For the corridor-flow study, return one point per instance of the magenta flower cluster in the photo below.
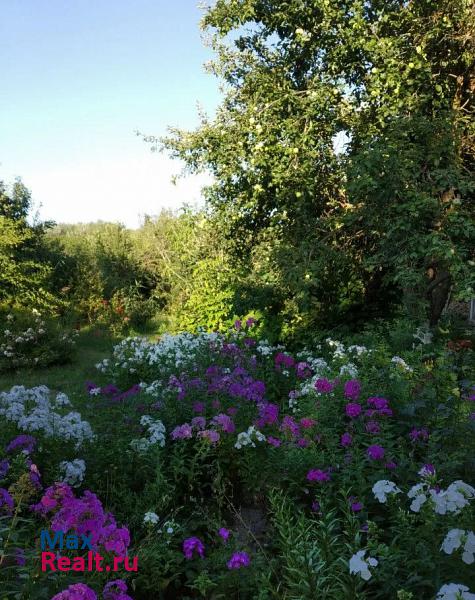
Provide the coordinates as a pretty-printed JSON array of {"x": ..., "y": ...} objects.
[
  {"x": 114, "y": 590},
  {"x": 318, "y": 475},
  {"x": 84, "y": 515},
  {"x": 324, "y": 386}
]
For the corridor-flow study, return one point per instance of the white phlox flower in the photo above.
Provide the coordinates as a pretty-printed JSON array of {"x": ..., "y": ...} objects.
[
  {"x": 359, "y": 565},
  {"x": 382, "y": 488}
]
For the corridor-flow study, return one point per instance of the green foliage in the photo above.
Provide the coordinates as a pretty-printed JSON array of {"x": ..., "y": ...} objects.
[
  {"x": 395, "y": 80},
  {"x": 24, "y": 277},
  {"x": 311, "y": 560}
]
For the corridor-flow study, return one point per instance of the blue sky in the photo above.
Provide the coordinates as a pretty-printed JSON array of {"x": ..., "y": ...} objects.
[{"x": 78, "y": 78}]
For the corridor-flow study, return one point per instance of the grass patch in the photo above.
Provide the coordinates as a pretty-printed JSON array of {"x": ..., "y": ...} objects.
[{"x": 91, "y": 347}]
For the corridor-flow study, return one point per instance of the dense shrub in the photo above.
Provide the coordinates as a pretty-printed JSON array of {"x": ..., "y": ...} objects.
[{"x": 28, "y": 339}]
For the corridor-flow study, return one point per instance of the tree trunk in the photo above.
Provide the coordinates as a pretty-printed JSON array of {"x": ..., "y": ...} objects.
[{"x": 438, "y": 293}]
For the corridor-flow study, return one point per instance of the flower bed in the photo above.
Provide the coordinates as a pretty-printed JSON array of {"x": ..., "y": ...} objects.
[{"x": 242, "y": 469}]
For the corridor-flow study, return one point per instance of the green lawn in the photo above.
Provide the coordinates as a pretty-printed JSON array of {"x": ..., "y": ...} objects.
[{"x": 91, "y": 347}]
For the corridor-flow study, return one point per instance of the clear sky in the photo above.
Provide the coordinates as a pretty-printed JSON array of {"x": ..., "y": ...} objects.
[{"x": 78, "y": 77}]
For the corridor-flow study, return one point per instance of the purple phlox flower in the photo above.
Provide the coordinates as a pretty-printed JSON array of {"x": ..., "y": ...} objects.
[
  {"x": 346, "y": 440},
  {"x": 209, "y": 434},
  {"x": 25, "y": 443},
  {"x": 307, "y": 423},
  {"x": 352, "y": 389},
  {"x": 273, "y": 441},
  {"x": 249, "y": 342},
  {"x": 238, "y": 560},
  {"x": 380, "y": 407},
  {"x": 35, "y": 476},
  {"x": 182, "y": 432},
  {"x": 110, "y": 389},
  {"x": 213, "y": 371},
  {"x": 255, "y": 391},
  {"x": 198, "y": 422},
  {"x": 239, "y": 372},
  {"x": 427, "y": 470},
  {"x": 195, "y": 382},
  {"x": 391, "y": 465},
  {"x": 198, "y": 407},
  {"x": 6, "y": 501},
  {"x": 230, "y": 349},
  {"x": 323, "y": 385},
  {"x": 303, "y": 370},
  {"x": 115, "y": 590},
  {"x": 135, "y": 389},
  {"x": 250, "y": 322},
  {"x": 372, "y": 427},
  {"x": 283, "y": 360},
  {"x": 378, "y": 402},
  {"x": 353, "y": 410},
  {"x": 115, "y": 539},
  {"x": 192, "y": 545},
  {"x": 355, "y": 505},
  {"x": 84, "y": 515},
  {"x": 419, "y": 434},
  {"x": 316, "y": 506},
  {"x": 375, "y": 452},
  {"x": 224, "y": 533},
  {"x": 4, "y": 466},
  {"x": 318, "y": 475},
  {"x": 76, "y": 591},
  {"x": 289, "y": 425},
  {"x": 268, "y": 414},
  {"x": 303, "y": 443},
  {"x": 53, "y": 498},
  {"x": 173, "y": 381},
  {"x": 237, "y": 324},
  {"x": 237, "y": 390},
  {"x": 225, "y": 422}
]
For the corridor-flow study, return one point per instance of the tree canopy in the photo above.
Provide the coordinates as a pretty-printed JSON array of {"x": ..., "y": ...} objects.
[{"x": 389, "y": 214}]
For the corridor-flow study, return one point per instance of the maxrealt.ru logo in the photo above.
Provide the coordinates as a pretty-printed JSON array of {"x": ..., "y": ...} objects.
[{"x": 54, "y": 542}]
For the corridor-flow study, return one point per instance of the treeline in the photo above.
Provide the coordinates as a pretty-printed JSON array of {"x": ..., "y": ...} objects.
[
  {"x": 173, "y": 273},
  {"x": 176, "y": 272}
]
